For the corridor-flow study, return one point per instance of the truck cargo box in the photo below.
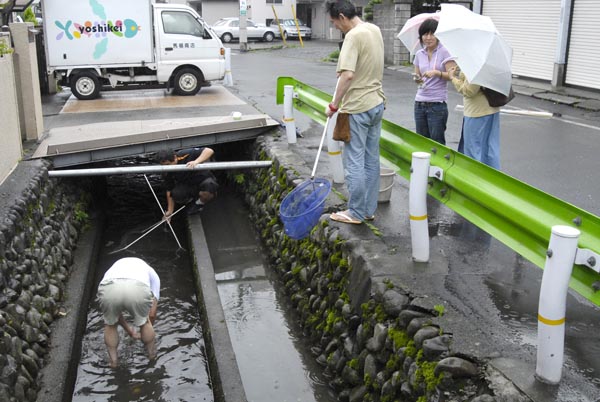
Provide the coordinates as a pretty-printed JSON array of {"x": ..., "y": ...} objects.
[{"x": 98, "y": 32}]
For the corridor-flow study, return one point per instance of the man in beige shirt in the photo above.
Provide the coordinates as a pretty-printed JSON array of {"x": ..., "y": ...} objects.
[{"x": 360, "y": 94}]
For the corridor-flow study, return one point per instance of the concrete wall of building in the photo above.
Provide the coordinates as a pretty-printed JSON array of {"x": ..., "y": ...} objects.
[
  {"x": 213, "y": 10},
  {"x": 10, "y": 133},
  {"x": 28, "y": 83},
  {"x": 384, "y": 16}
]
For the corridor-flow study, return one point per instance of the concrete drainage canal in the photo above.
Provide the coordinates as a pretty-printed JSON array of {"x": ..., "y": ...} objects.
[{"x": 275, "y": 364}]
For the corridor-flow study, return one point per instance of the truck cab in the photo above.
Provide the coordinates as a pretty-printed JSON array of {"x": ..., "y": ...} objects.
[{"x": 130, "y": 44}]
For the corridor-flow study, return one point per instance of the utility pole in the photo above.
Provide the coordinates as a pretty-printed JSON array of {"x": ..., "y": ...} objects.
[{"x": 243, "y": 26}]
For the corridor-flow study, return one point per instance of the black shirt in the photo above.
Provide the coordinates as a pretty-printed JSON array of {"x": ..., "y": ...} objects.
[{"x": 193, "y": 176}]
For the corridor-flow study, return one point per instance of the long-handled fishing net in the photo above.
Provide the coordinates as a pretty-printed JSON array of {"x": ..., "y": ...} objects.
[
  {"x": 301, "y": 209},
  {"x": 147, "y": 232}
]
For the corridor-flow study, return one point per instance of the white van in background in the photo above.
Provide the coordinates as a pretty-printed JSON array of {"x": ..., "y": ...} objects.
[{"x": 133, "y": 43}]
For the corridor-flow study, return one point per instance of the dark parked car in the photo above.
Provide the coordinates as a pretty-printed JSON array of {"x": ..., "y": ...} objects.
[
  {"x": 290, "y": 30},
  {"x": 228, "y": 29}
]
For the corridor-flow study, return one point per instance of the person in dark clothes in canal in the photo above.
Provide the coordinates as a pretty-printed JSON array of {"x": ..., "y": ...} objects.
[
  {"x": 129, "y": 285},
  {"x": 183, "y": 187}
]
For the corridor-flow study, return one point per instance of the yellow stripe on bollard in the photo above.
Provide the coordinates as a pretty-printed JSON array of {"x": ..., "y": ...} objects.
[
  {"x": 334, "y": 153},
  {"x": 551, "y": 322},
  {"x": 288, "y": 119},
  {"x": 418, "y": 218}
]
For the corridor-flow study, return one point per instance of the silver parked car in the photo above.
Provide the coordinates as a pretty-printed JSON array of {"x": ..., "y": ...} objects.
[
  {"x": 228, "y": 29},
  {"x": 290, "y": 30}
]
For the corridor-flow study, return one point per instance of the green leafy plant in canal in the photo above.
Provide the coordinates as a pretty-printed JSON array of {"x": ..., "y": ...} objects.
[
  {"x": 440, "y": 309},
  {"x": 353, "y": 364},
  {"x": 426, "y": 374},
  {"x": 399, "y": 337},
  {"x": 4, "y": 48},
  {"x": 411, "y": 349},
  {"x": 239, "y": 178}
]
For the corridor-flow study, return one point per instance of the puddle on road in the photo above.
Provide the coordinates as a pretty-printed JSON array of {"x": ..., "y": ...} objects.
[
  {"x": 514, "y": 287},
  {"x": 275, "y": 364},
  {"x": 180, "y": 371}
]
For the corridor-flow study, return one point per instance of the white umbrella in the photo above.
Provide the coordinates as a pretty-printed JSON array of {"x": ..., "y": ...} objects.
[
  {"x": 409, "y": 34},
  {"x": 479, "y": 49}
]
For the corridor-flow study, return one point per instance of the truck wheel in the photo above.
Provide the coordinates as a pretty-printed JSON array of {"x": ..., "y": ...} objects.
[
  {"x": 85, "y": 86},
  {"x": 268, "y": 36},
  {"x": 285, "y": 35},
  {"x": 227, "y": 37},
  {"x": 187, "y": 82}
]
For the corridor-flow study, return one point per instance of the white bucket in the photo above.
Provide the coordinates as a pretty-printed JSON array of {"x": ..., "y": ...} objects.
[{"x": 386, "y": 182}]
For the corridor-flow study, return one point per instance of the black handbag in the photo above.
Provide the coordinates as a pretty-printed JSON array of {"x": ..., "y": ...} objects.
[{"x": 497, "y": 99}]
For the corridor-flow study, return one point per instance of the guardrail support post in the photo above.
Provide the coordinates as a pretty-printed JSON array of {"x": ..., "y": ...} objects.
[
  {"x": 334, "y": 150},
  {"x": 417, "y": 206},
  {"x": 228, "y": 80},
  {"x": 553, "y": 303},
  {"x": 288, "y": 113}
]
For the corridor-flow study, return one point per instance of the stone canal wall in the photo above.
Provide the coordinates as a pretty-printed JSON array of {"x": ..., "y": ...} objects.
[
  {"x": 41, "y": 219},
  {"x": 377, "y": 340}
]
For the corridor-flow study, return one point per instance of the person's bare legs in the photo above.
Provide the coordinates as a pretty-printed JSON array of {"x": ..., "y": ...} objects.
[
  {"x": 111, "y": 339},
  {"x": 148, "y": 337}
]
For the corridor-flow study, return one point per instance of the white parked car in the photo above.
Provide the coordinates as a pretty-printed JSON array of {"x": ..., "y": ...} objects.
[
  {"x": 290, "y": 30},
  {"x": 228, "y": 29}
]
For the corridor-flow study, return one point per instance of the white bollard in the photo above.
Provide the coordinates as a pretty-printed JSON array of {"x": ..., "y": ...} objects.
[
  {"x": 553, "y": 303},
  {"x": 417, "y": 206},
  {"x": 288, "y": 113},
  {"x": 228, "y": 79},
  {"x": 334, "y": 150}
]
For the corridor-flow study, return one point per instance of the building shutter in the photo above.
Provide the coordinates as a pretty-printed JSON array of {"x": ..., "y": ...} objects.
[
  {"x": 584, "y": 45},
  {"x": 531, "y": 28}
]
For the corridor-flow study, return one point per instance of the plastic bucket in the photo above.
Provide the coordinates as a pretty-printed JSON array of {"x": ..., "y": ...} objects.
[
  {"x": 386, "y": 182},
  {"x": 301, "y": 209}
]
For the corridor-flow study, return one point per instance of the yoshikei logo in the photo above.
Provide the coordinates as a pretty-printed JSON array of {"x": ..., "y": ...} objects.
[{"x": 127, "y": 28}]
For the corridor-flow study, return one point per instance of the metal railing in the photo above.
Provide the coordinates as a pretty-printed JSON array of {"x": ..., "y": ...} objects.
[{"x": 517, "y": 214}]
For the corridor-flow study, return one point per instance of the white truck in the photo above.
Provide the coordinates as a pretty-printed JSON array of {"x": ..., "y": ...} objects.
[{"x": 92, "y": 44}]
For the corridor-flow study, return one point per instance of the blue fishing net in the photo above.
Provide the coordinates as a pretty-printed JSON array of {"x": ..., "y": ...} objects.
[{"x": 301, "y": 209}]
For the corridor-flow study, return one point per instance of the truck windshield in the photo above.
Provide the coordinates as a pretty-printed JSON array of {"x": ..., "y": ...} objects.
[{"x": 181, "y": 23}]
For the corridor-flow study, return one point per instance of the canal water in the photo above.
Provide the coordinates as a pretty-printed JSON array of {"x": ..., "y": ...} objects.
[
  {"x": 275, "y": 363},
  {"x": 274, "y": 360},
  {"x": 180, "y": 371}
]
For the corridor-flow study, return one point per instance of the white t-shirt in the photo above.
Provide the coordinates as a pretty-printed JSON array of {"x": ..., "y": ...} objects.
[{"x": 134, "y": 268}]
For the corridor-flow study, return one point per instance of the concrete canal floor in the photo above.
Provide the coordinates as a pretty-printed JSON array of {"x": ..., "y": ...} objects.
[{"x": 491, "y": 292}]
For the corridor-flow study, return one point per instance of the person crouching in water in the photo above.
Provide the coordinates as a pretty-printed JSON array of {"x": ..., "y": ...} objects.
[
  {"x": 199, "y": 186},
  {"x": 129, "y": 285}
]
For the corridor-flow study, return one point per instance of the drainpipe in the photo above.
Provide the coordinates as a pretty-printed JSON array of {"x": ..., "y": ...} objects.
[
  {"x": 417, "y": 206},
  {"x": 561, "y": 254},
  {"x": 560, "y": 62},
  {"x": 159, "y": 169}
]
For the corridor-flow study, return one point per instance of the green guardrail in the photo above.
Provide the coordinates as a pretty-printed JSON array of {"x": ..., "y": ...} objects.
[{"x": 515, "y": 213}]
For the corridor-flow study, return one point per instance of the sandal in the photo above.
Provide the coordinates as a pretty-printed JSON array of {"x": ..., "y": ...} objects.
[
  {"x": 344, "y": 217},
  {"x": 370, "y": 218}
]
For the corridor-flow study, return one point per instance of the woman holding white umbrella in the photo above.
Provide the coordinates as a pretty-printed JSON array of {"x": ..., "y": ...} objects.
[
  {"x": 481, "y": 122},
  {"x": 485, "y": 59},
  {"x": 431, "y": 63}
]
